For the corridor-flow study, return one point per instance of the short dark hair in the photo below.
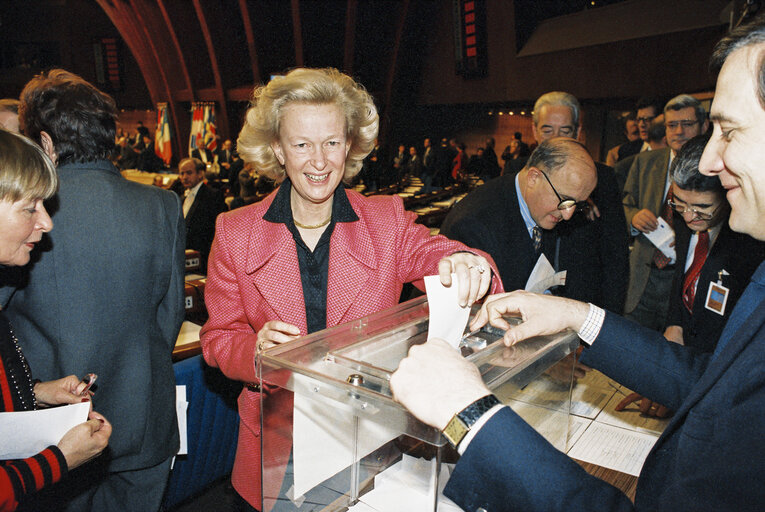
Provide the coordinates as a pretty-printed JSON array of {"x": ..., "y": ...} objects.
[
  {"x": 80, "y": 119},
  {"x": 685, "y": 168},
  {"x": 741, "y": 36},
  {"x": 648, "y": 101}
]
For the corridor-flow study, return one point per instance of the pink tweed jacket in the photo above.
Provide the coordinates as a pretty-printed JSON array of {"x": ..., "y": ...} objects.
[{"x": 254, "y": 277}]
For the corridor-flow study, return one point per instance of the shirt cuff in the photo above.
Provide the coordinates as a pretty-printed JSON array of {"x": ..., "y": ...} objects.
[
  {"x": 590, "y": 329},
  {"x": 476, "y": 427}
]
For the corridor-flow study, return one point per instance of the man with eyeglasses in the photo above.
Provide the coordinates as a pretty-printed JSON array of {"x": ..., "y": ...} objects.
[
  {"x": 646, "y": 198},
  {"x": 646, "y": 111},
  {"x": 510, "y": 215},
  {"x": 714, "y": 263}
]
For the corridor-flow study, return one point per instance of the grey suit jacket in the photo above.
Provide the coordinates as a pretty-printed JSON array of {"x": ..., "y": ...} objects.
[
  {"x": 644, "y": 189},
  {"x": 105, "y": 295}
]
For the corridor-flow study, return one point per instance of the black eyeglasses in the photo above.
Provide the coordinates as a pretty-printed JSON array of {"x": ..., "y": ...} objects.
[
  {"x": 681, "y": 209},
  {"x": 564, "y": 204}
]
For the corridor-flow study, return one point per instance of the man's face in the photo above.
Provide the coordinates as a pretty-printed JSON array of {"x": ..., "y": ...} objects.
[
  {"x": 426, "y": 143},
  {"x": 554, "y": 121},
  {"x": 682, "y": 126},
  {"x": 227, "y": 145},
  {"x": 189, "y": 175},
  {"x": 631, "y": 130},
  {"x": 644, "y": 118},
  {"x": 9, "y": 121},
  {"x": 705, "y": 203},
  {"x": 575, "y": 180},
  {"x": 412, "y": 151},
  {"x": 401, "y": 149},
  {"x": 200, "y": 143},
  {"x": 736, "y": 151}
]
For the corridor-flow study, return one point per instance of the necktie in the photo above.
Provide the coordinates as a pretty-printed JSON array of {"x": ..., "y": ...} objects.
[
  {"x": 659, "y": 258},
  {"x": 187, "y": 202},
  {"x": 536, "y": 239},
  {"x": 692, "y": 276}
]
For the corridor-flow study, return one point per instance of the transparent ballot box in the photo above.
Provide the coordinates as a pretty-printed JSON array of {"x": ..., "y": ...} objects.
[{"x": 333, "y": 438}]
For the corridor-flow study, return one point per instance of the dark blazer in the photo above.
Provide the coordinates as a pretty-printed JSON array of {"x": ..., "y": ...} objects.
[
  {"x": 200, "y": 221},
  {"x": 593, "y": 252},
  {"x": 739, "y": 255},
  {"x": 196, "y": 154},
  {"x": 596, "y": 252},
  {"x": 710, "y": 457},
  {"x": 489, "y": 219},
  {"x": 105, "y": 295}
]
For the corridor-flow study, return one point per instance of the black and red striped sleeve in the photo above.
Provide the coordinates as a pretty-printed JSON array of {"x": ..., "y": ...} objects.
[{"x": 25, "y": 476}]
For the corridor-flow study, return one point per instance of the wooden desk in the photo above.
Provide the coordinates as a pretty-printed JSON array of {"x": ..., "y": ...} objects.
[{"x": 626, "y": 483}]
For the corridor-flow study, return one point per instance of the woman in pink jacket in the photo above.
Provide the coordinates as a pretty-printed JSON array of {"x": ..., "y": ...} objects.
[{"x": 312, "y": 254}]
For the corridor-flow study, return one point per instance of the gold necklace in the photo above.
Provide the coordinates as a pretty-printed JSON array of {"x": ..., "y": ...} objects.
[{"x": 315, "y": 226}]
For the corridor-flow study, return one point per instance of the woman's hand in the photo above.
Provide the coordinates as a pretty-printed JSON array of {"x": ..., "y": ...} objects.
[
  {"x": 62, "y": 391},
  {"x": 473, "y": 275},
  {"x": 276, "y": 332},
  {"x": 85, "y": 441}
]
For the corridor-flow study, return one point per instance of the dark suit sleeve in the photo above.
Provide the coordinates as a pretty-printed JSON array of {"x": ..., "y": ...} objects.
[
  {"x": 509, "y": 466},
  {"x": 644, "y": 361},
  {"x": 171, "y": 311},
  {"x": 614, "y": 242}
]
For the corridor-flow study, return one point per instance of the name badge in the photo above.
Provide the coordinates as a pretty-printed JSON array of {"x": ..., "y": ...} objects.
[{"x": 717, "y": 298}]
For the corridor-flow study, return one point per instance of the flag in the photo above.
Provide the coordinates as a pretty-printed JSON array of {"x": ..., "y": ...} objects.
[
  {"x": 197, "y": 125},
  {"x": 210, "y": 134},
  {"x": 162, "y": 135}
]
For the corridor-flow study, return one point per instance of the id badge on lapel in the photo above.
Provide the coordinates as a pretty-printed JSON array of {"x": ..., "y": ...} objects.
[{"x": 717, "y": 295}]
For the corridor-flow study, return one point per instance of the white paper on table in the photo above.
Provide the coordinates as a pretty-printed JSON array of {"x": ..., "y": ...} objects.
[
  {"x": 189, "y": 333},
  {"x": 27, "y": 433},
  {"x": 181, "y": 406},
  {"x": 544, "y": 277},
  {"x": 322, "y": 438},
  {"x": 447, "y": 319},
  {"x": 662, "y": 237},
  {"x": 613, "y": 447}
]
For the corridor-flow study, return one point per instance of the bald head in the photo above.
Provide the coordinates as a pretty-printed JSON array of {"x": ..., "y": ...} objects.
[{"x": 559, "y": 169}]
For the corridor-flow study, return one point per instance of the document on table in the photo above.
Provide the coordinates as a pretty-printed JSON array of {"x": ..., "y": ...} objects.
[
  {"x": 26, "y": 433},
  {"x": 544, "y": 277},
  {"x": 662, "y": 237},
  {"x": 613, "y": 447},
  {"x": 447, "y": 318}
]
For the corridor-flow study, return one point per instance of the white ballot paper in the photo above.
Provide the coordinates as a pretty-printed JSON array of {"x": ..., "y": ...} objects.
[
  {"x": 26, "y": 433},
  {"x": 447, "y": 318},
  {"x": 544, "y": 277},
  {"x": 322, "y": 434},
  {"x": 662, "y": 237}
]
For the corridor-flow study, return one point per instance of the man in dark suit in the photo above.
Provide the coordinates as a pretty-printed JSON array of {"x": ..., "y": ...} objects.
[
  {"x": 657, "y": 139},
  {"x": 226, "y": 156},
  {"x": 201, "y": 206},
  {"x": 592, "y": 249},
  {"x": 711, "y": 456},
  {"x": 105, "y": 295},
  {"x": 504, "y": 217},
  {"x": 202, "y": 153},
  {"x": 646, "y": 195}
]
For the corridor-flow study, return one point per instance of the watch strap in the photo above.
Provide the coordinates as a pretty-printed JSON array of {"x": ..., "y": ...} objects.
[{"x": 463, "y": 421}]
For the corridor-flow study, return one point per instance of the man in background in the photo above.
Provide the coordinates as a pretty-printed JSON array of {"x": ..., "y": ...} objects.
[
  {"x": 647, "y": 194},
  {"x": 201, "y": 206}
]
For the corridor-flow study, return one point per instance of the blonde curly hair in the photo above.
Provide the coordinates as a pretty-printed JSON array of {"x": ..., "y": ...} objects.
[{"x": 309, "y": 86}]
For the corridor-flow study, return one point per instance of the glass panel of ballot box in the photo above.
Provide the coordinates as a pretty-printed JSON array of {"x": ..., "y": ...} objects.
[{"x": 333, "y": 438}]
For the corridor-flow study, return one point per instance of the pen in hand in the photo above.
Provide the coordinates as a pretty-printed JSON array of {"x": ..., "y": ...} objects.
[{"x": 88, "y": 380}]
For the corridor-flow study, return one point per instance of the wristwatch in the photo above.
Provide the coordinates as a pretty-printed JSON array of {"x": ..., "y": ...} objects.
[{"x": 463, "y": 421}]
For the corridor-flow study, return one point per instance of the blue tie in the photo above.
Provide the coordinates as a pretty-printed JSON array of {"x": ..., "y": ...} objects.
[
  {"x": 752, "y": 297},
  {"x": 536, "y": 239}
]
